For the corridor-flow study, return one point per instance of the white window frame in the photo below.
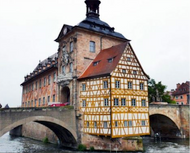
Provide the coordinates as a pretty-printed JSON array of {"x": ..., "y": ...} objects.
[
  {"x": 83, "y": 87},
  {"x": 105, "y": 84},
  {"x": 83, "y": 103},
  {"x": 141, "y": 86},
  {"x": 143, "y": 103},
  {"x": 116, "y": 101},
  {"x": 105, "y": 125},
  {"x": 130, "y": 85},
  {"x": 123, "y": 102},
  {"x": 133, "y": 102},
  {"x": 92, "y": 47},
  {"x": 106, "y": 102},
  {"x": 117, "y": 84}
]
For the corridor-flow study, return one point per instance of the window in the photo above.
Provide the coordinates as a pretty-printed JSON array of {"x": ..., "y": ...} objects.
[
  {"x": 106, "y": 102},
  {"x": 117, "y": 84},
  {"x": 134, "y": 72},
  {"x": 32, "y": 86},
  {"x": 105, "y": 124},
  {"x": 71, "y": 46},
  {"x": 32, "y": 103},
  {"x": 143, "y": 123},
  {"x": 36, "y": 85},
  {"x": 83, "y": 103},
  {"x": 133, "y": 102},
  {"x": 95, "y": 63},
  {"x": 116, "y": 102},
  {"x": 39, "y": 102},
  {"x": 64, "y": 48},
  {"x": 35, "y": 104},
  {"x": 176, "y": 97},
  {"x": 44, "y": 81},
  {"x": 40, "y": 83},
  {"x": 123, "y": 70},
  {"x": 71, "y": 67},
  {"x": 87, "y": 124},
  {"x": 43, "y": 100},
  {"x": 48, "y": 98},
  {"x": 53, "y": 98},
  {"x": 63, "y": 69},
  {"x": 143, "y": 102},
  {"x": 141, "y": 86},
  {"x": 128, "y": 59},
  {"x": 110, "y": 60},
  {"x": 181, "y": 103},
  {"x": 123, "y": 102},
  {"x": 28, "y": 103},
  {"x": 181, "y": 97},
  {"x": 54, "y": 76},
  {"x": 105, "y": 84},
  {"x": 49, "y": 79},
  {"x": 92, "y": 46},
  {"x": 95, "y": 124},
  {"x": 125, "y": 124},
  {"x": 116, "y": 124},
  {"x": 130, "y": 123},
  {"x": 130, "y": 85},
  {"x": 83, "y": 87}
]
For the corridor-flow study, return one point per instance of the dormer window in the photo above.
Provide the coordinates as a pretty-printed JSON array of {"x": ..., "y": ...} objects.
[
  {"x": 110, "y": 60},
  {"x": 134, "y": 72},
  {"x": 95, "y": 63}
]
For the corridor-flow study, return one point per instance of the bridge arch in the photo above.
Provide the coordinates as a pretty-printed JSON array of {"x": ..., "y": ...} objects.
[
  {"x": 66, "y": 135},
  {"x": 164, "y": 125}
]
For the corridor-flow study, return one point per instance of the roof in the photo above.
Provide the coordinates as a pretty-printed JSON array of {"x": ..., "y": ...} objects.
[
  {"x": 92, "y": 24},
  {"x": 184, "y": 88},
  {"x": 103, "y": 67},
  {"x": 45, "y": 65},
  {"x": 95, "y": 24}
]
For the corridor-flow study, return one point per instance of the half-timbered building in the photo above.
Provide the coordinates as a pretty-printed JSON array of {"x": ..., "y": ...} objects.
[{"x": 114, "y": 94}]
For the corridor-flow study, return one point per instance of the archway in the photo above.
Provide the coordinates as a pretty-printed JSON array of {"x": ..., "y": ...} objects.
[
  {"x": 65, "y": 94},
  {"x": 66, "y": 135},
  {"x": 164, "y": 126}
]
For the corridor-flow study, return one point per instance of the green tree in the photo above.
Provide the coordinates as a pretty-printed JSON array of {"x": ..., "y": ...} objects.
[{"x": 156, "y": 92}]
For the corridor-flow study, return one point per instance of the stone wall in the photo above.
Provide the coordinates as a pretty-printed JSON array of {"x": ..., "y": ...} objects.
[{"x": 38, "y": 132}]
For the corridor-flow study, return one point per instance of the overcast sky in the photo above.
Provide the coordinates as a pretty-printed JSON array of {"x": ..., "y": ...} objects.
[{"x": 158, "y": 30}]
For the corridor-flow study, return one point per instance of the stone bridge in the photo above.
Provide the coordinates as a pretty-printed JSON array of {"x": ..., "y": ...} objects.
[
  {"x": 170, "y": 120},
  {"x": 62, "y": 121}
]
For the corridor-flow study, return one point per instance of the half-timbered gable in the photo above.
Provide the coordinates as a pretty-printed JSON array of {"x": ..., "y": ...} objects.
[
  {"x": 113, "y": 94},
  {"x": 129, "y": 97}
]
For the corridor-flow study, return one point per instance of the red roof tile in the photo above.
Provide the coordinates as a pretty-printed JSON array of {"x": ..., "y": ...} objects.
[{"x": 103, "y": 67}]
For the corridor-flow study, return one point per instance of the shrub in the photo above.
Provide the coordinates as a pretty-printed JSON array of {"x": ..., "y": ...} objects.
[
  {"x": 91, "y": 148},
  {"x": 81, "y": 147},
  {"x": 45, "y": 140}
]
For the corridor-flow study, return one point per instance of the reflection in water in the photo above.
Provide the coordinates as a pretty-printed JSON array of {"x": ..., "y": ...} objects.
[{"x": 25, "y": 145}]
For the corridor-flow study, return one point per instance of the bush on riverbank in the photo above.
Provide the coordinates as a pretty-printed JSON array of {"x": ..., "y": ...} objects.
[
  {"x": 81, "y": 147},
  {"x": 45, "y": 140}
]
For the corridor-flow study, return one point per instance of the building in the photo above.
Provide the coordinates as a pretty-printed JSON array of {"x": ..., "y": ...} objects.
[
  {"x": 97, "y": 71},
  {"x": 182, "y": 93}
]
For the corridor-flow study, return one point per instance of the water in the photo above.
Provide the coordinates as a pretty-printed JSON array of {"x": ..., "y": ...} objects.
[{"x": 12, "y": 144}]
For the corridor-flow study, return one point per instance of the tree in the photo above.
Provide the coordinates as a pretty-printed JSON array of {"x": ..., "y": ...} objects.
[{"x": 156, "y": 92}]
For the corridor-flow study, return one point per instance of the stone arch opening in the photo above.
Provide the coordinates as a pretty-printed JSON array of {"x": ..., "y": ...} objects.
[
  {"x": 67, "y": 136},
  {"x": 65, "y": 94},
  {"x": 164, "y": 126}
]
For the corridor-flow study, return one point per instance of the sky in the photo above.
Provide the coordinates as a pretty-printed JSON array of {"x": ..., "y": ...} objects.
[{"x": 158, "y": 29}]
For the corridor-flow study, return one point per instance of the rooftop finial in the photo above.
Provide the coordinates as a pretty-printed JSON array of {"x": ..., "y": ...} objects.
[{"x": 92, "y": 8}]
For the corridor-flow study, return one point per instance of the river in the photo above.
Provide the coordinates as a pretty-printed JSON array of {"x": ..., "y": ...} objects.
[{"x": 12, "y": 144}]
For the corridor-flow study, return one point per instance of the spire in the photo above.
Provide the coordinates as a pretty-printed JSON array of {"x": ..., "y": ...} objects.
[{"x": 92, "y": 8}]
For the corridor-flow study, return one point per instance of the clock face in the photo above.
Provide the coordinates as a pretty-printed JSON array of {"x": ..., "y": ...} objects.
[{"x": 64, "y": 30}]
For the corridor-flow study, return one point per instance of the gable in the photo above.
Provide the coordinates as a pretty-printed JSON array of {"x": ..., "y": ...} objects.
[{"x": 129, "y": 66}]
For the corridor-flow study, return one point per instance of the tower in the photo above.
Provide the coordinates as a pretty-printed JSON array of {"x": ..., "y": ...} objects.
[{"x": 92, "y": 8}]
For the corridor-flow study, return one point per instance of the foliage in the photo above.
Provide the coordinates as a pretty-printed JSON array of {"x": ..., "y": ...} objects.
[
  {"x": 156, "y": 92},
  {"x": 91, "y": 148},
  {"x": 81, "y": 147},
  {"x": 45, "y": 140}
]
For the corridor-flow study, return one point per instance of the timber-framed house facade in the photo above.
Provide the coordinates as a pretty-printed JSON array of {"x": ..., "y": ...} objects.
[{"x": 114, "y": 94}]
